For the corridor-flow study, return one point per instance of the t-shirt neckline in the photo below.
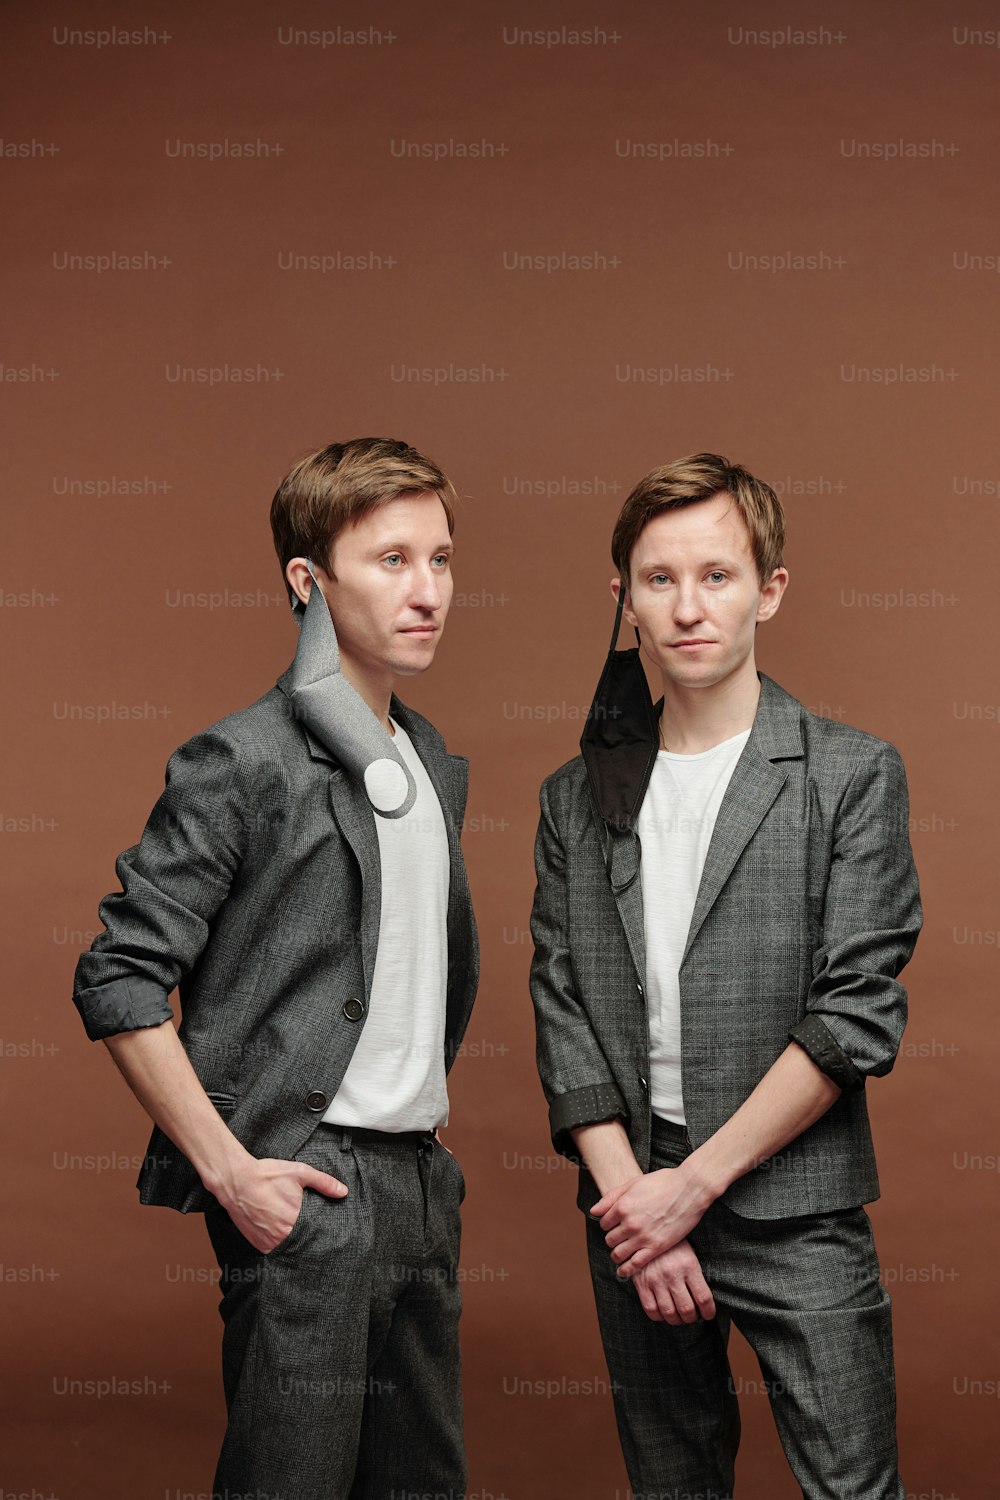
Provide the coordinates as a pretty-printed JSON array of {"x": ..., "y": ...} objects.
[{"x": 700, "y": 754}]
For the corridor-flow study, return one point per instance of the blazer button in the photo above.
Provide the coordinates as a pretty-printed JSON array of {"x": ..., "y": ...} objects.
[
  {"x": 316, "y": 1100},
  {"x": 353, "y": 1010},
  {"x": 643, "y": 1083}
]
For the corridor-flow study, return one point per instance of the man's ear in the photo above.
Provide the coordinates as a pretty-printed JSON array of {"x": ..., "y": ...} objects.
[
  {"x": 627, "y": 610},
  {"x": 299, "y": 578},
  {"x": 771, "y": 594}
]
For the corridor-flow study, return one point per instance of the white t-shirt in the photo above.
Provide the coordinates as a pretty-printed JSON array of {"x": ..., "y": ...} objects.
[
  {"x": 675, "y": 827},
  {"x": 395, "y": 1079}
]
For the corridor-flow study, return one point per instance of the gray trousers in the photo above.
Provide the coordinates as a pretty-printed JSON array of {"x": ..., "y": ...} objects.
[
  {"x": 805, "y": 1293},
  {"x": 340, "y": 1352}
]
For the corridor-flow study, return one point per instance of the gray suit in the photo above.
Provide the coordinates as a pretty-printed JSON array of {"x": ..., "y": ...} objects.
[
  {"x": 807, "y": 911},
  {"x": 256, "y": 889}
]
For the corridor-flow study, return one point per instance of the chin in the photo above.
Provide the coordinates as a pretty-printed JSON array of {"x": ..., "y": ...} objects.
[
  {"x": 698, "y": 674},
  {"x": 411, "y": 666}
]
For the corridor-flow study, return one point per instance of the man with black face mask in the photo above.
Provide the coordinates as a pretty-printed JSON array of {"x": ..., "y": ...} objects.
[{"x": 726, "y": 896}]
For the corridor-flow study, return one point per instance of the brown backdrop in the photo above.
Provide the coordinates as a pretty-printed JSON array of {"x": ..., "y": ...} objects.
[{"x": 551, "y": 262}]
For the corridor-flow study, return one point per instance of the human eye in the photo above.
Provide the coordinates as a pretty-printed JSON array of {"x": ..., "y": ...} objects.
[
  {"x": 393, "y": 558},
  {"x": 717, "y": 573},
  {"x": 442, "y": 559}
]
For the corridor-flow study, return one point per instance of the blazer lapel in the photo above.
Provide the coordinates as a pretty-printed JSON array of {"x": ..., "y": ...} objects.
[
  {"x": 449, "y": 774},
  {"x": 356, "y": 821},
  {"x": 754, "y": 784},
  {"x": 775, "y": 735},
  {"x": 628, "y": 898},
  {"x": 353, "y": 815},
  {"x": 355, "y": 818}
]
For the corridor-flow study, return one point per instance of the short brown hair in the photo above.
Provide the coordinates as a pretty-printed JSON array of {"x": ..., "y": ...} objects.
[
  {"x": 336, "y": 485},
  {"x": 699, "y": 477}
]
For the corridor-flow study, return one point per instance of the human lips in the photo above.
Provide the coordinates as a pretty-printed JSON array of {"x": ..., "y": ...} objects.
[
  {"x": 686, "y": 645},
  {"x": 422, "y": 630}
]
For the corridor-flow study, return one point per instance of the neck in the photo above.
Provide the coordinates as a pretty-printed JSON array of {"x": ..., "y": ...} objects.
[
  {"x": 375, "y": 691},
  {"x": 696, "y": 718}
]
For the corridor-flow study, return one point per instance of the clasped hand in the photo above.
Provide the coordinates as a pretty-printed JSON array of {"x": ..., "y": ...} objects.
[{"x": 647, "y": 1216}]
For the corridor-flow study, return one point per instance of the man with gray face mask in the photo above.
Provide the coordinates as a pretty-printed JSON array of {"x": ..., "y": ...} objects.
[{"x": 301, "y": 881}]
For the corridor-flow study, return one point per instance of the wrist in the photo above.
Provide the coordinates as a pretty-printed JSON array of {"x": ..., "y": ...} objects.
[
  {"x": 705, "y": 1177},
  {"x": 616, "y": 1177},
  {"x": 224, "y": 1173},
  {"x": 606, "y": 1154}
]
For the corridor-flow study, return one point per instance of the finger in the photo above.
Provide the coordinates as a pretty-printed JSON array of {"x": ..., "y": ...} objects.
[
  {"x": 323, "y": 1182},
  {"x": 665, "y": 1303},
  {"x": 630, "y": 1261},
  {"x": 684, "y": 1305},
  {"x": 638, "y": 1251},
  {"x": 653, "y": 1289},
  {"x": 701, "y": 1292},
  {"x": 648, "y": 1300},
  {"x": 615, "y": 1236},
  {"x": 610, "y": 1197},
  {"x": 611, "y": 1216}
]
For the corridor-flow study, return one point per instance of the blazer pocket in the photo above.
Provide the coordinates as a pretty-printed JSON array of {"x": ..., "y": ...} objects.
[{"x": 222, "y": 1101}]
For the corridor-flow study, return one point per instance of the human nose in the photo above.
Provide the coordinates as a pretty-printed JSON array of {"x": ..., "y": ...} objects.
[
  {"x": 688, "y": 604},
  {"x": 426, "y": 592}
]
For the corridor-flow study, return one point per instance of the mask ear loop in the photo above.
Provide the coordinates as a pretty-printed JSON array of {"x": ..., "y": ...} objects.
[
  {"x": 609, "y": 842},
  {"x": 298, "y": 606},
  {"x": 618, "y": 620}
]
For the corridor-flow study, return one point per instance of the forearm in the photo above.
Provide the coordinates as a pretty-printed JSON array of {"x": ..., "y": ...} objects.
[
  {"x": 791, "y": 1096},
  {"x": 606, "y": 1153},
  {"x": 158, "y": 1071}
]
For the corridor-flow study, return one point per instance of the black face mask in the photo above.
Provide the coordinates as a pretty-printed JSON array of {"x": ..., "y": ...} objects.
[{"x": 619, "y": 745}]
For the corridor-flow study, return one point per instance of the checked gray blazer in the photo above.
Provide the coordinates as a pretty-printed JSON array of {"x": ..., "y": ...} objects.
[
  {"x": 807, "y": 911},
  {"x": 256, "y": 888}
]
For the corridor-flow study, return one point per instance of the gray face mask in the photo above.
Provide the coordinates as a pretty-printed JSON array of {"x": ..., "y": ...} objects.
[{"x": 338, "y": 715}]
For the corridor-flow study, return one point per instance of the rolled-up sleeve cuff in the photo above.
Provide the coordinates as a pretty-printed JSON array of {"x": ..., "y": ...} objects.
[
  {"x": 587, "y": 1106},
  {"x": 122, "y": 1005},
  {"x": 815, "y": 1037}
]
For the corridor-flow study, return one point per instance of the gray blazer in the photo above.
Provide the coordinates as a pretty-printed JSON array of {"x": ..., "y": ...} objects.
[
  {"x": 256, "y": 889},
  {"x": 808, "y": 909}
]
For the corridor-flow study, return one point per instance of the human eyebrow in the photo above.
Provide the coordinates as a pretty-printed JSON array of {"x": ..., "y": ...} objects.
[
  {"x": 390, "y": 546},
  {"x": 663, "y": 567}
]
